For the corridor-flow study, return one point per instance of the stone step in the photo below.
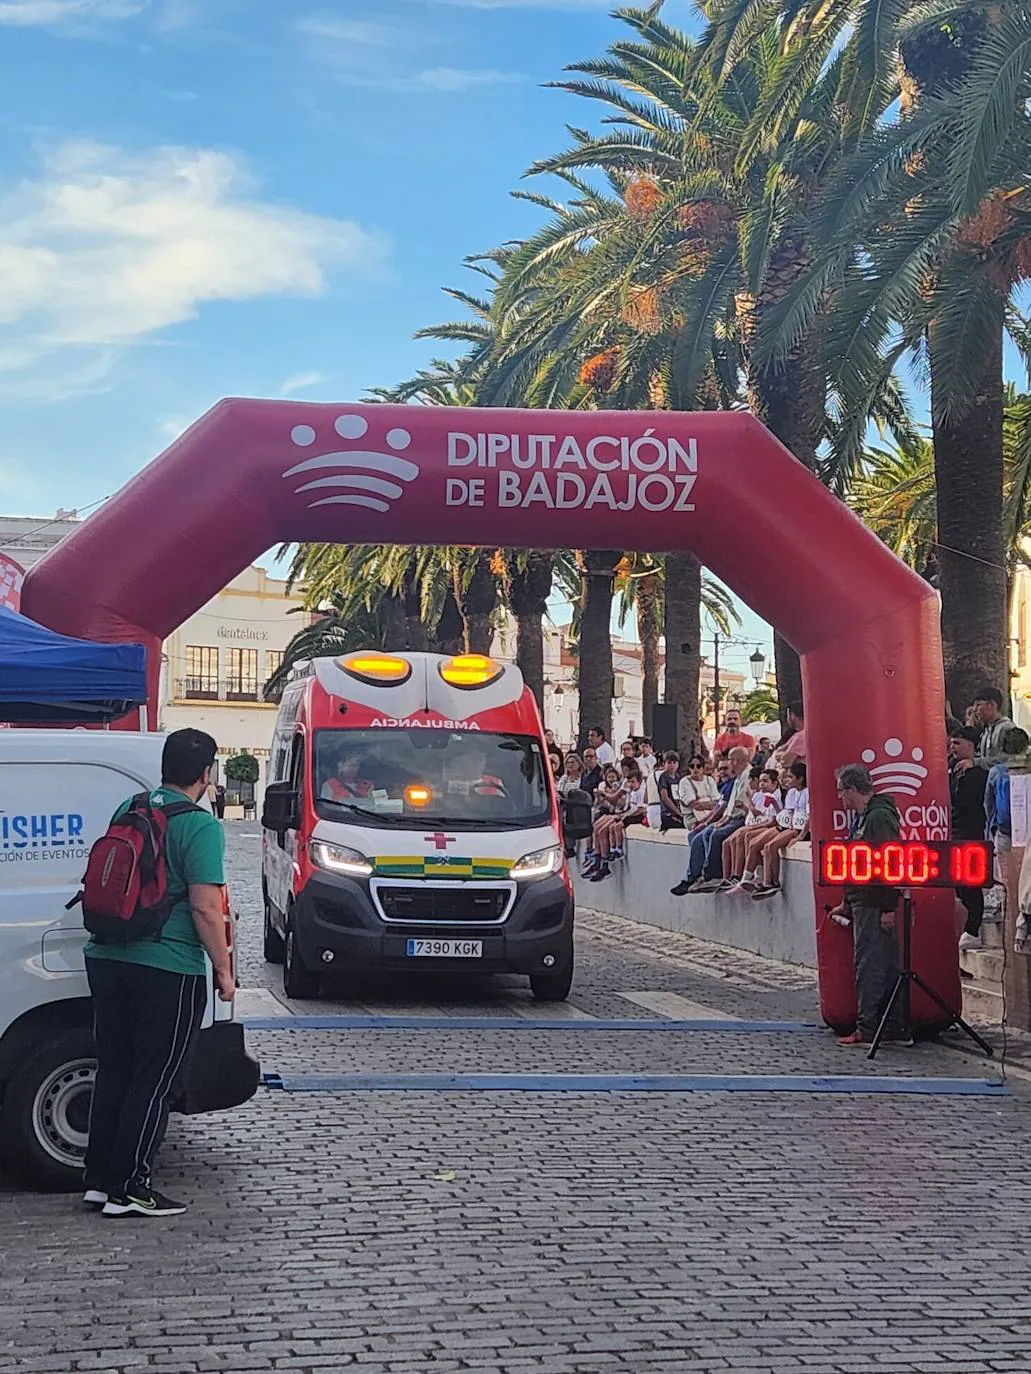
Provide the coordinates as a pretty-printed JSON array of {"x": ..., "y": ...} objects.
[
  {"x": 982, "y": 1002},
  {"x": 985, "y": 964}
]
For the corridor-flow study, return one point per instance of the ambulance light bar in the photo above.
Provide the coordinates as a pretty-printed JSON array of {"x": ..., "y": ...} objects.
[
  {"x": 470, "y": 670},
  {"x": 381, "y": 670}
]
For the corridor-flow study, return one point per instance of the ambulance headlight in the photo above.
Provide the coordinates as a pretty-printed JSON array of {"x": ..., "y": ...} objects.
[
  {"x": 539, "y": 864},
  {"x": 337, "y": 858}
]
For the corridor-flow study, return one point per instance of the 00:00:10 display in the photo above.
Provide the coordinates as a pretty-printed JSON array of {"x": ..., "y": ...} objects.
[{"x": 903, "y": 865}]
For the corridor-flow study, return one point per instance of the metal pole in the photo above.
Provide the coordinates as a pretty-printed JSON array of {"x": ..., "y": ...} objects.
[{"x": 716, "y": 677}]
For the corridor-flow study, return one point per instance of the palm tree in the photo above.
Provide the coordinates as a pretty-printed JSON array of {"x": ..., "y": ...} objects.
[
  {"x": 330, "y": 635},
  {"x": 660, "y": 285},
  {"x": 526, "y": 578}
]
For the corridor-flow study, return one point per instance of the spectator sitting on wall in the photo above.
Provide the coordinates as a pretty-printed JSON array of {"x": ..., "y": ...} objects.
[
  {"x": 572, "y": 774},
  {"x": 608, "y": 798},
  {"x": 604, "y": 750},
  {"x": 667, "y": 782},
  {"x": 733, "y": 736},
  {"x": 792, "y": 826},
  {"x": 592, "y": 772},
  {"x": 697, "y": 793},
  {"x": 704, "y": 867},
  {"x": 764, "y": 805},
  {"x": 646, "y": 759},
  {"x": 871, "y": 908},
  {"x": 610, "y": 830},
  {"x": 967, "y": 789}
]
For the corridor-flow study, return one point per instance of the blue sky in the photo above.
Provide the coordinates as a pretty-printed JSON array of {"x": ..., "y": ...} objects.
[{"x": 247, "y": 197}]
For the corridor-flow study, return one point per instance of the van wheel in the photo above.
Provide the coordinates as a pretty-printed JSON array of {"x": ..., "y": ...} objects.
[
  {"x": 45, "y": 1119},
  {"x": 553, "y": 987},
  {"x": 275, "y": 945},
  {"x": 298, "y": 981}
]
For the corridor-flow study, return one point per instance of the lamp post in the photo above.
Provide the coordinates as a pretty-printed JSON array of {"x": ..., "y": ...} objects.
[{"x": 758, "y": 666}]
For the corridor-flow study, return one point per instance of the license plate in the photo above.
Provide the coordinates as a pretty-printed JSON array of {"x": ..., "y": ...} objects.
[{"x": 445, "y": 949}]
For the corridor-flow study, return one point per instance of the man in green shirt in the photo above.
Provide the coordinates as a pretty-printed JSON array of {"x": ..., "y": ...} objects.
[{"x": 149, "y": 996}]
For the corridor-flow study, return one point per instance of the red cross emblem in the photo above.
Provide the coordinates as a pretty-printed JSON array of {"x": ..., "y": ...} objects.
[{"x": 440, "y": 841}]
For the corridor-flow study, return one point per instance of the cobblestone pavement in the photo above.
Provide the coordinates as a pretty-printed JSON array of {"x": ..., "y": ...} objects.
[{"x": 533, "y": 1233}]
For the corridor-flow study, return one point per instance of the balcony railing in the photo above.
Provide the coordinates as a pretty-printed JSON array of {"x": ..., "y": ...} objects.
[{"x": 212, "y": 689}]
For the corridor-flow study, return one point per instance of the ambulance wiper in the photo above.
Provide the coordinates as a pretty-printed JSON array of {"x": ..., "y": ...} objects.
[
  {"x": 486, "y": 822},
  {"x": 358, "y": 810}
]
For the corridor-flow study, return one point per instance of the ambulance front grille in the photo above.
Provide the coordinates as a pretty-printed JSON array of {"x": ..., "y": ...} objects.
[{"x": 463, "y": 903}]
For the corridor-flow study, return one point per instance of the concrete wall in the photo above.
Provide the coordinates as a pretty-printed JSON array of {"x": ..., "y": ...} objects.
[{"x": 781, "y": 927}]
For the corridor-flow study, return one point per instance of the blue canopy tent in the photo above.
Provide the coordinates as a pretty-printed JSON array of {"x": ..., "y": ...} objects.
[{"x": 49, "y": 679}]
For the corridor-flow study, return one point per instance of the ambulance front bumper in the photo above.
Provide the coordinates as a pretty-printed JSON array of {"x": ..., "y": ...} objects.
[{"x": 347, "y": 923}]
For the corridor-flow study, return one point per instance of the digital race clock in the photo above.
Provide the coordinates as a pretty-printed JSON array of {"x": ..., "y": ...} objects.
[{"x": 906, "y": 863}]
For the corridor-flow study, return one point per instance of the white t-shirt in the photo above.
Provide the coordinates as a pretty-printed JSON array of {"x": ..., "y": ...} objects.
[
  {"x": 606, "y": 753},
  {"x": 697, "y": 789},
  {"x": 635, "y": 797},
  {"x": 797, "y": 800},
  {"x": 647, "y": 763}
]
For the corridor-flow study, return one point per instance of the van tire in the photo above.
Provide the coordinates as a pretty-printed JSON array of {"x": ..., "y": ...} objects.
[
  {"x": 553, "y": 987},
  {"x": 45, "y": 1117},
  {"x": 298, "y": 981},
  {"x": 274, "y": 945}
]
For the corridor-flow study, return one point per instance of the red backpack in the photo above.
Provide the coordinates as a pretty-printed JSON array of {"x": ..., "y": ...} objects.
[{"x": 125, "y": 896}]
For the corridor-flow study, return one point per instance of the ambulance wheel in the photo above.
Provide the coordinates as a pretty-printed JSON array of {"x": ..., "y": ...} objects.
[
  {"x": 552, "y": 987},
  {"x": 44, "y": 1124},
  {"x": 298, "y": 981},
  {"x": 275, "y": 945}
]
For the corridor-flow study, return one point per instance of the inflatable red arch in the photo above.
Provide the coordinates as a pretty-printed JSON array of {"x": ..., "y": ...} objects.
[{"x": 251, "y": 474}]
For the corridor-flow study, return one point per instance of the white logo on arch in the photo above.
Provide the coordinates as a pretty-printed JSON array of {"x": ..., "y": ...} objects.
[
  {"x": 344, "y": 483},
  {"x": 897, "y": 774}
]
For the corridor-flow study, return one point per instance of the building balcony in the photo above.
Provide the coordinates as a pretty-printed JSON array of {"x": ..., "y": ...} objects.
[{"x": 208, "y": 689}]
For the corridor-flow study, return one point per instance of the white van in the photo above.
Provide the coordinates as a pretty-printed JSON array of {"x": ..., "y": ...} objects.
[{"x": 58, "y": 791}]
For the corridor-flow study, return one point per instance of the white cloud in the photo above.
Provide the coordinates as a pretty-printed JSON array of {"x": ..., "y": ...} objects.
[
  {"x": 105, "y": 248},
  {"x": 302, "y": 381},
  {"x": 362, "y": 32},
  {"x": 46, "y": 13},
  {"x": 435, "y": 80}
]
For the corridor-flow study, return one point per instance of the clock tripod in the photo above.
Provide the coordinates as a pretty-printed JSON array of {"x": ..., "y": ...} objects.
[{"x": 906, "y": 977}]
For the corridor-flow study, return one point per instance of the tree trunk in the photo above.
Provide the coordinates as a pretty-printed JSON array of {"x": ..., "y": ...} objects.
[
  {"x": 416, "y": 634},
  {"x": 395, "y": 626},
  {"x": 529, "y": 586},
  {"x": 790, "y": 399},
  {"x": 683, "y": 643},
  {"x": 449, "y": 637},
  {"x": 968, "y": 471},
  {"x": 646, "y": 600},
  {"x": 476, "y": 591},
  {"x": 596, "y": 678}
]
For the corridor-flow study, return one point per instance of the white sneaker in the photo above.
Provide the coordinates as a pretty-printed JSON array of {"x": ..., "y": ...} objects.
[
  {"x": 93, "y": 1197},
  {"x": 968, "y": 941}
]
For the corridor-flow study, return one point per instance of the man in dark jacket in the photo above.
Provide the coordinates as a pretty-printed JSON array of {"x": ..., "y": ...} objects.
[
  {"x": 966, "y": 786},
  {"x": 871, "y": 908}
]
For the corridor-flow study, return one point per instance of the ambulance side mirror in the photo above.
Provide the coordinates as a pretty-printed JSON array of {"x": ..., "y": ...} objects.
[
  {"x": 282, "y": 810},
  {"x": 577, "y": 821}
]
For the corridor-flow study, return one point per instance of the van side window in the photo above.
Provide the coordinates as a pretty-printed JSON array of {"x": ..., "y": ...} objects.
[
  {"x": 280, "y": 756},
  {"x": 297, "y": 764}
]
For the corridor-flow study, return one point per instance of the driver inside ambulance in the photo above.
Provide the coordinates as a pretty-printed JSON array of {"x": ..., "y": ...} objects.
[
  {"x": 467, "y": 777},
  {"x": 345, "y": 782}
]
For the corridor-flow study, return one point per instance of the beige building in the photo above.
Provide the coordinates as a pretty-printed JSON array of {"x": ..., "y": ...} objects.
[
  {"x": 26, "y": 538},
  {"x": 215, "y": 666}
]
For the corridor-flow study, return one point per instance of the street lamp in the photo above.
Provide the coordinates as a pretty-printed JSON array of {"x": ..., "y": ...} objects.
[{"x": 758, "y": 662}]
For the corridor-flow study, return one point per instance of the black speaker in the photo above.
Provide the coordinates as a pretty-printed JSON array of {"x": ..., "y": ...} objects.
[{"x": 665, "y": 726}]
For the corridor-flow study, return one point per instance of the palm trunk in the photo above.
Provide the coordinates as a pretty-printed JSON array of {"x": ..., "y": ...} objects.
[
  {"x": 449, "y": 636},
  {"x": 596, "y": 677},
  {"x": 395, "y": 625},
  {"x": 529, "y": 586},
  {"x": 647, "y": 603},
  {"x": 476, "y": 592},
  {"x": 683, "y": 643},
  {"x": 968, "y": 470},
  {"x": 790, "y": 400},
  {"x": 416, "y": 636}
]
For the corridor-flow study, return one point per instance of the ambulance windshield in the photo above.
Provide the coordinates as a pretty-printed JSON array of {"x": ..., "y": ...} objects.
[{"x": 460, "y": 778}]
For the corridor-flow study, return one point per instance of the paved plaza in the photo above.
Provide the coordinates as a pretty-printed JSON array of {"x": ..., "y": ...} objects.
[{"x": 487, "y": 1232}]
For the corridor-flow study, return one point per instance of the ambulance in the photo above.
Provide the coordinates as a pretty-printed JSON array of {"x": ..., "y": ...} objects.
[{"x": 412, "y": 822}]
